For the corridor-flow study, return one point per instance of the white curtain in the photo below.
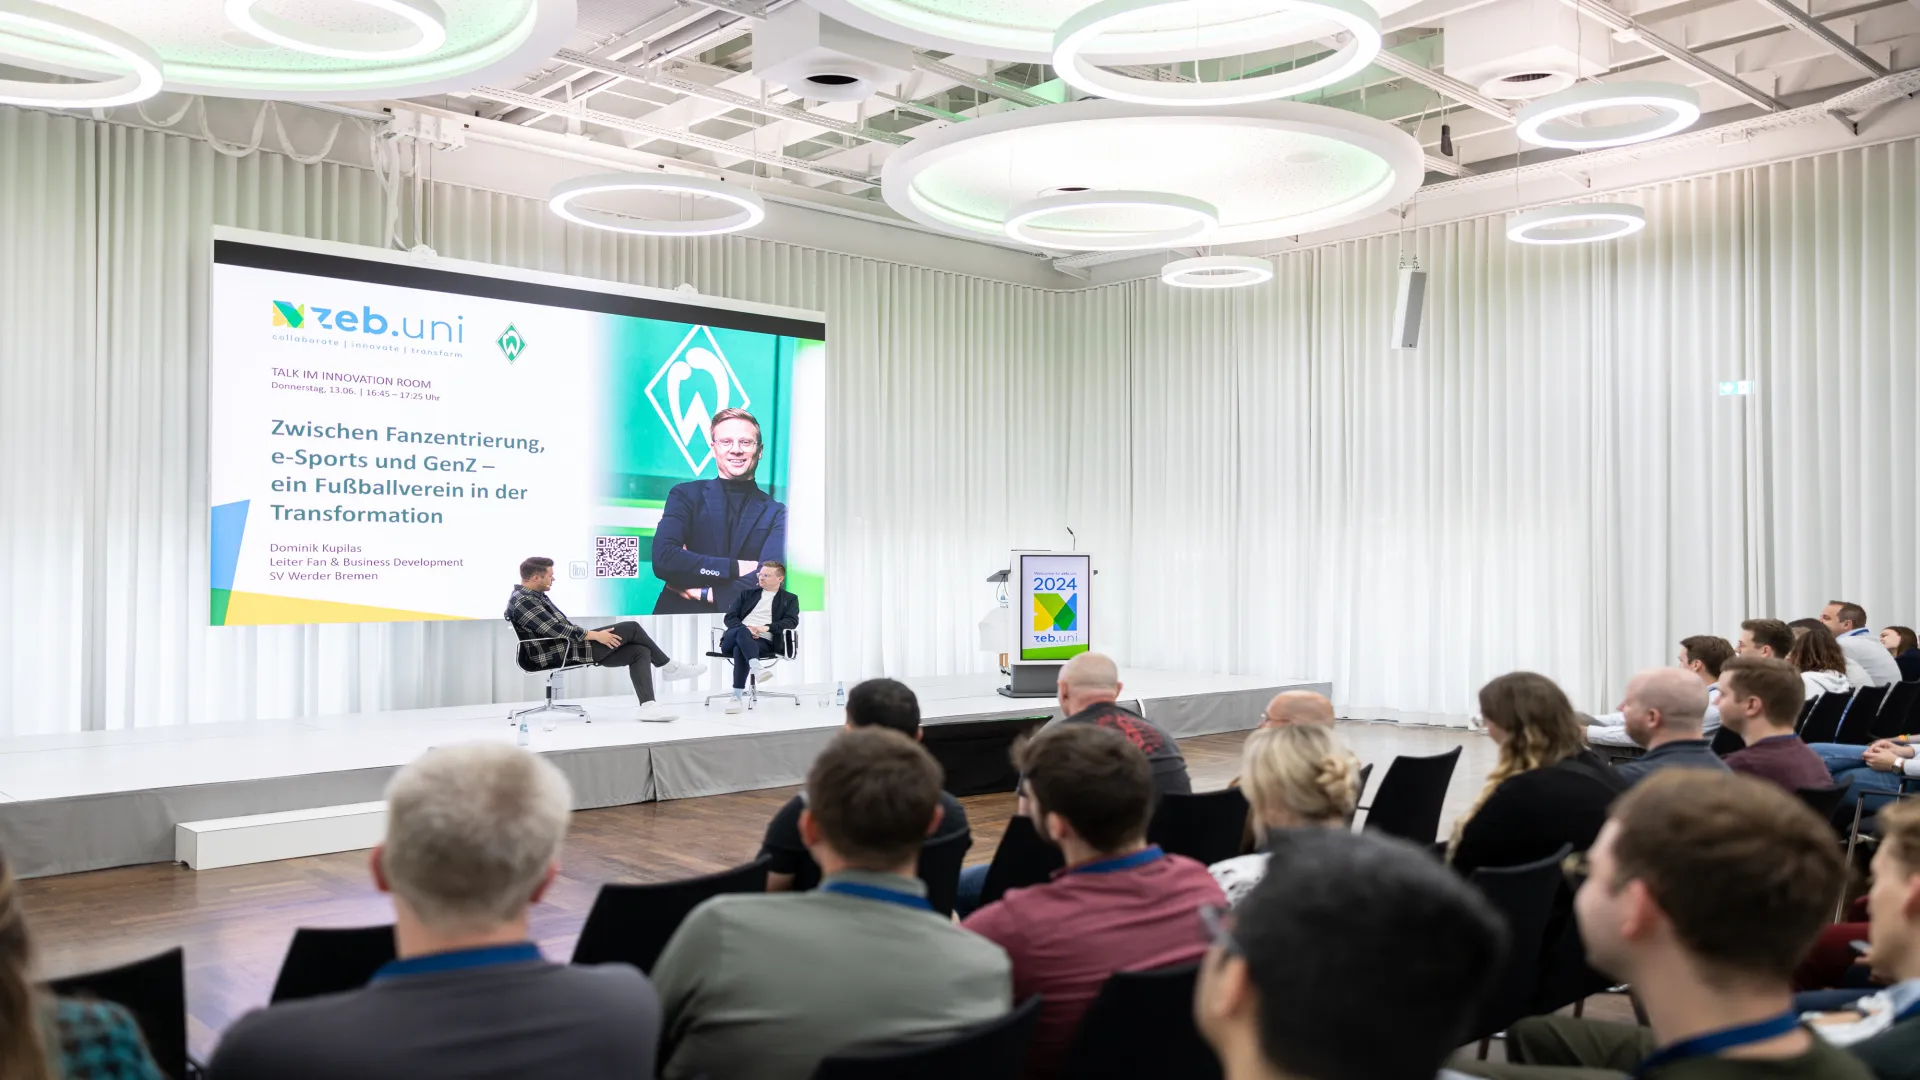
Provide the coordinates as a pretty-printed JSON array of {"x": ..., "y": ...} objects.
[{"x": 1551, "y": 482}]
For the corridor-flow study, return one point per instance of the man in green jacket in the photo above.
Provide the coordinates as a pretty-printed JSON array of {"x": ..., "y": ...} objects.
[{"x": 1703, "y": 892}]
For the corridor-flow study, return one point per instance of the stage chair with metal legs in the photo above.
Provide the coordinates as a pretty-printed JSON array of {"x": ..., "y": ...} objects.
[
  {"x": 554, "y": 681},
  {"x": 786, "y": 647}
]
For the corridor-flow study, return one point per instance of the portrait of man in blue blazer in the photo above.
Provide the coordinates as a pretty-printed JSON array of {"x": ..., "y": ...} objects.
[{"x": 714, "y": 534}]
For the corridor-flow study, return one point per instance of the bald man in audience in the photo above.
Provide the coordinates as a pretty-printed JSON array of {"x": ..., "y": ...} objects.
[
  {"x": 1089, "y": 687},
  {"x": 1297, "y": 707},
  {"x": 1664, "y": 708}
]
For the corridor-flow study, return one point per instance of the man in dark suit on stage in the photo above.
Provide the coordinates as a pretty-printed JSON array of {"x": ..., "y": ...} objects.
[
  {"x": 754, "y": 625},
  {"x": 714, "y": 534}
]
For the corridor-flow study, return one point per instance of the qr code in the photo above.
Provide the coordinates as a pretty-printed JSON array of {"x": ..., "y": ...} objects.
[{"x": 616, "y": 556}]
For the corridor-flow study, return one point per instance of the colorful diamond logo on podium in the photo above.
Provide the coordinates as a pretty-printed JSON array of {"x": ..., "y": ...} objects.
[
  {"x": 289, "y": 315},
  {"x": 1051, "y": 611}
]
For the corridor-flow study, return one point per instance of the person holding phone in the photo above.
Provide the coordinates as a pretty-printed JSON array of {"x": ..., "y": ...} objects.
[{"x": 714, "y": 534}]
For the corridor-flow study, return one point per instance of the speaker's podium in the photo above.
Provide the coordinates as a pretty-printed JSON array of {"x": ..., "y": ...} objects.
[{"x": 1049, "y": 623}]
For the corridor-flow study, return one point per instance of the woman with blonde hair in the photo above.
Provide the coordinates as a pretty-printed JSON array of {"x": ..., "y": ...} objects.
[
  {"x": 1547, "y": 789},
  {"x": 1296, "y": 776},
  {"x": 48, "y": 1038}
]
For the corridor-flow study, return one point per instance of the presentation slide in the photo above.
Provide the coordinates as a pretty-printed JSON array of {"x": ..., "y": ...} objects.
[
  {"x": 1054, "y": 588},
  {"x": 388, "y": 440}
]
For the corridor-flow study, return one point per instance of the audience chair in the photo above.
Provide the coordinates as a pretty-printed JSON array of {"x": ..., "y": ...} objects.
[
  {"x": 631, "y": 924},
  {"x": 330, "y": 961},
  {"x": 1856, "y": 722},
  {"x": 1408, "y": 802},
  {"x": 1727, "y": 741},
  {"x": 1205, "y": 827},
  {"x": 1525, "y": 896},
  {"x": 1824, "y": 801},
  {"x": 554, "y": 680},
  {"x": 1142, "y": 1025},
  {"x": 1022, "y": 859},
  {"x": 1565, "y": 976},
  {"x": 786, "y": 648},
  {"x": 154, "y": 990},
  {"x": 940, "y": 868},
  {"x": 990, "y": 1051},
  {"x": 1823, "y": 721},
  {"x": 1896, "y": 711}
]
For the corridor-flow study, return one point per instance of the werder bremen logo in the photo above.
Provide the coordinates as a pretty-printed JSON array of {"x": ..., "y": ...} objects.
[
  {"x": 289, "y": 315},
  {"x": 511, "y": 343}
]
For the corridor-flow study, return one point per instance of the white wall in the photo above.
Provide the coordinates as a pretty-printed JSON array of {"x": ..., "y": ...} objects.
[{"x": 1550, "y": 483}]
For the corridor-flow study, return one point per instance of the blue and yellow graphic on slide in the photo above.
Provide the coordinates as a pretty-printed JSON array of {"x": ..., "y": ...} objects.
[{"x": 1054, "y": 613}]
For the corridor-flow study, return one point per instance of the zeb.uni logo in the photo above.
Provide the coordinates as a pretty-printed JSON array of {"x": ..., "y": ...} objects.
[{"x": 367, "y": 321}]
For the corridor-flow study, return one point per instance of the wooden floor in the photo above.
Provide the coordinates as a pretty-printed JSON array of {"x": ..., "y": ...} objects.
[{"x": 235, "y": 923}]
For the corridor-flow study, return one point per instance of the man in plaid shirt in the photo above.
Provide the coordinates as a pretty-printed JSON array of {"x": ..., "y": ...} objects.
[{"x": 548, "y": 639}]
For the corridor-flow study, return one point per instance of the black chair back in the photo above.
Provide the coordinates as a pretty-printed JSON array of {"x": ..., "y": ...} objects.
[
  {"x": 1822, "y": 800},
  {"x": 631, "y": 924},
  {"x": 1856, "y": 723},
  {"x": 1727, "y": 741},
  {"x": 1411, "y": 795},
  {"x": 1525, "y": 895},
  {"x": 1022, "y": 859},
  {"x": 1205, "y": 827},
  {"x": 1142, "y": 1025},
  {"x": 1896, "y": 711},
  {"x": 331, "y": 961},
  {"x": 154, "y": 990},
  {"x": 990, "y": 1051},
  {"x": 1823, "y": 721},
  {"x": 940, "y": 868}
]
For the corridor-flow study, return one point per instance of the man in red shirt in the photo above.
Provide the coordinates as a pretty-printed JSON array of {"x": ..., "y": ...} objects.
[
  {"x": 1760, "y": 701},
  {"x": 1121, "y": 904}
]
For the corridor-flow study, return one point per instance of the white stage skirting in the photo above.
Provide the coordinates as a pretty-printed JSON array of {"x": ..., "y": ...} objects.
[{"x": 89, "y": 800}]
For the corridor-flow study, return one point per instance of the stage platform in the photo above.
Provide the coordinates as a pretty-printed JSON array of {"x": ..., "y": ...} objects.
[{"x": 89, "y": 800}]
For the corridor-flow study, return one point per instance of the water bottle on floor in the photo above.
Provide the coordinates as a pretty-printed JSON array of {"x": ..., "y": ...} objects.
[{"x": 522, "y": 737}]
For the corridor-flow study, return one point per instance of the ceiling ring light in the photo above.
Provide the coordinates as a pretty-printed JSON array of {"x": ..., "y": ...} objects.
[
  {"x": 138, "y": 66},
  {"x": 749, "y": 210},
  {"x": 1023, "y": 220},
  {"x": 1217, "y": 272},
  {"x": 426, "y": 31},
  {"x": 1576, "y": 223},
  {"x": 1544, "y": 122},
  {"x": 1079, "y": 35},
  {"x": 1270, "y": 169}
]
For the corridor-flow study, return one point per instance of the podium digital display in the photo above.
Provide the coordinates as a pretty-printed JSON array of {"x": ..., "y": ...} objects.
[{"x": 1053, "y": 607}]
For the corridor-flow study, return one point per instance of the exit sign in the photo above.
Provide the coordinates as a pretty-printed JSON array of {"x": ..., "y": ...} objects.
[{"x": 1736, "y": 388}]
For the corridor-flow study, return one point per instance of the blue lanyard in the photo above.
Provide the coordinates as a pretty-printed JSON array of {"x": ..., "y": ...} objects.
[
  {"x": 1714, "y": 1042},
  {"x": 1148, "y": 854},
  {"x": 1855, "y": 633},
  {"x": 460, "y": 960},
  {"x": 875, "y": 892}
]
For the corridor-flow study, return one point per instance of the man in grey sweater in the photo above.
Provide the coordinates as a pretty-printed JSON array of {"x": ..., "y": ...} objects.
[
  {"x": 765, "y": 986},
  {"x": 473, "y": 839}
]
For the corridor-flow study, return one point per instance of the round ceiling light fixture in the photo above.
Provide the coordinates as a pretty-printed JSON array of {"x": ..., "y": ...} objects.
[
  {"x": 426, "y": 31},
  {"x": 1217, "y": 272},
  {"x": 1547, "y": 121},
  {"x": 1271, "y": 169},
  {"x": 1082, "y": 33},
  {"x": 1193, "y": 219},
  {"x": 749, "y": 210},
  {"x": 1576, "y": 223},
  {"x": 133, "y": 67}
]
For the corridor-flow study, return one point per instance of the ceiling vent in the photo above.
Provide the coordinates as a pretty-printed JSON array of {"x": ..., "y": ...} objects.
[
  {"x": 1516, "y": 50},
  {"x": 823, "y": 60}
]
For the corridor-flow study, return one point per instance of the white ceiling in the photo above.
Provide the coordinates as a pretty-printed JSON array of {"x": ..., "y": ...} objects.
[{"x": 675, "y": 82}]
